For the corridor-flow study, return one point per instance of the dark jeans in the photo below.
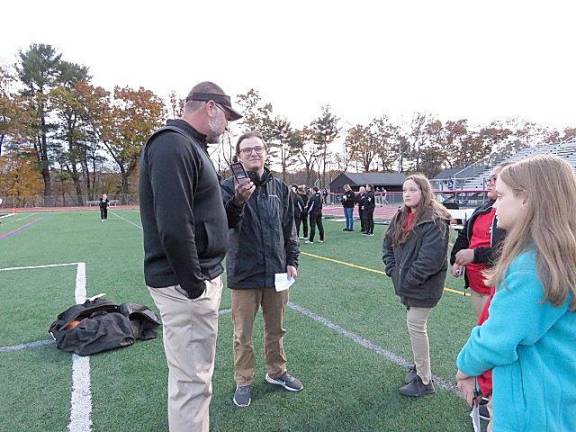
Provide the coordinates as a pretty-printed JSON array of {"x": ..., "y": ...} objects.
[
  {"x": 316, "y": 220},
  {"x": 368, "y": 220},
  {"x": 361, "y": 214},
  {"x": 103, "y": 213}
]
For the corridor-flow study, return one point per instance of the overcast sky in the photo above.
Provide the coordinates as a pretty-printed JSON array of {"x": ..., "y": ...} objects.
[{"x": 481, "y": 60}]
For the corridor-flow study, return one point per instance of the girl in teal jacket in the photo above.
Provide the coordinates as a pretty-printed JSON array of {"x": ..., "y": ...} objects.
[{"x": 529, "y": 340}]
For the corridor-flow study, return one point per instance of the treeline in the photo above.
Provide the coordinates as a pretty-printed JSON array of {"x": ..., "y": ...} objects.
[{"x": 62, "y": 134}]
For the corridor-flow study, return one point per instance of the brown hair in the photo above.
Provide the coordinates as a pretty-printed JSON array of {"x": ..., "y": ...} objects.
[
  {"x": 247, "y": 135},
  {"x": 427, "y": 205},
  {"x": 548, "y": 226}
]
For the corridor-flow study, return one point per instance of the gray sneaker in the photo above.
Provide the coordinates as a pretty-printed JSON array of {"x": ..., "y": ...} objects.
[
  {"x": 411, "y": 375},
  {"x": 242, "y": 396},
  {"x": 287, "y": 381}
]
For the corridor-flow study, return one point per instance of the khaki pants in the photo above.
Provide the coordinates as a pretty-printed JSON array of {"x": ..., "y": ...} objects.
[
  {"x": 245, "y": 305},
  {"x": 190, "y": 329},
  {"x": 417, "y": 321},
  {"x": 478, "y": 301}
]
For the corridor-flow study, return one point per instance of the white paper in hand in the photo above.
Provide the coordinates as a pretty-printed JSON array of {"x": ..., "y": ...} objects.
[
  {"x": 475, "y": 415},
  {"x": 282, "y": 282}
]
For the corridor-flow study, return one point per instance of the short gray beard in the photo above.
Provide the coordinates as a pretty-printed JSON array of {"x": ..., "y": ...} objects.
[{"x": 213, "y": 137}]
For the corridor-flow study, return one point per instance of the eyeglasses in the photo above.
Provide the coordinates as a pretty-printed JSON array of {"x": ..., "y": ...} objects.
[
  {"x": 248, "y": 150},
  {"x": 223, "y": 110}
]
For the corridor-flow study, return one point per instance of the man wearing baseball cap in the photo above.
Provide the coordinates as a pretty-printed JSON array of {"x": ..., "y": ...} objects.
[{"x": 185, "y": 240}]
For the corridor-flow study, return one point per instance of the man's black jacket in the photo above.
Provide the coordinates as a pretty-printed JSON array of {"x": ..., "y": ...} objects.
[
  {"x": 486, "y": 255},
  {"x": 183, "y": 218},
  {"x": 262, "y": 236}
]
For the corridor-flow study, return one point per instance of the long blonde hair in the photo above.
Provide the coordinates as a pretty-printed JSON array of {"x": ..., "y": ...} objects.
[
  {"x": 548, "y": 225},
  {"x": 427, "y": 203}
]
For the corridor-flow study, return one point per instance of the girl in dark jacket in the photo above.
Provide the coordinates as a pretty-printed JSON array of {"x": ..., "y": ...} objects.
[{"x": 415, "y": 255}]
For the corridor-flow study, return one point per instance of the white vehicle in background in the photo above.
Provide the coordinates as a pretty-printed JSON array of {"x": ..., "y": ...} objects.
[{"x": 461, "y": 203}]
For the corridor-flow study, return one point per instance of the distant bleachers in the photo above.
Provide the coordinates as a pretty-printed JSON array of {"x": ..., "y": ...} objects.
[{"x": 475, "y": 175}]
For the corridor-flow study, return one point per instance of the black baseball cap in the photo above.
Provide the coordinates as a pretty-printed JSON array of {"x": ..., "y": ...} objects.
[{"x": 221, "y": 99}]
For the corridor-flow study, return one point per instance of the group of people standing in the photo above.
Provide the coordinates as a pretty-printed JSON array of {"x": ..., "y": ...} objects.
[
  {"x": 192, "y": 220},
  {"x": 308, "y": 208},
  {"x": 366, "y": 202},
  {"x": 518, "y": 255}
]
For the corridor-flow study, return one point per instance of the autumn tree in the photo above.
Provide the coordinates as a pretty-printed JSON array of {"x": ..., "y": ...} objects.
[
  {"x": 323, "y": 131},
  {"x": 38, "y": 71}
]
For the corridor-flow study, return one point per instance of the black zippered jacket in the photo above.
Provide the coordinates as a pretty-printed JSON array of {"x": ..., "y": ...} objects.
[
  {"x": 183, "y": 218},
  {"x": 418, "y": 267},
  {"x": 262, "y": 233},
  {"x": 487, "y": 255},
  {"x": 315, "y": 205},
  {"x": 348, "y": 199}
]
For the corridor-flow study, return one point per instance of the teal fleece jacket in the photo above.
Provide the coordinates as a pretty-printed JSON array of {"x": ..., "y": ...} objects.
[{"x": 531, "y": 346}]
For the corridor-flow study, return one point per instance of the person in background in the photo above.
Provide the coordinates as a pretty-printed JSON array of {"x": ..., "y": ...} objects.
[
  {"x": 104, "y": 203},
  {"x": 348, "y": 202},
  {"x": 304, "y": 216},
  {"x": 314, "y": 211},
  {"x": 299, "y": 210},
  {"x": 369, "y": 205},
  {"x": 477, "y": 246},
  {"x": 529, "y": 338},
  {"x": 416, "y": 258},
  {"x": 361, "y": 203}
]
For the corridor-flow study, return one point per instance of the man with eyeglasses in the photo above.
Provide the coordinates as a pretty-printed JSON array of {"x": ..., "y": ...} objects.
[
  {"x": 263, "y": 244},
  {"x": 185, "y": 239}
]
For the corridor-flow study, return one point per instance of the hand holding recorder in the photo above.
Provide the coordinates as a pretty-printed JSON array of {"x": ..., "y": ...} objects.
[{"x": 243, "y": 187}]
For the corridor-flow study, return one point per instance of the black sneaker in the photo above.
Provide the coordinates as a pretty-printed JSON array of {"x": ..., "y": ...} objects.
[
  {"x": 417, "y": 388},
  {"x": 411, "y": 375},
  {"x": 287, "y": 381},
  {"x": 242, "y": 396}
]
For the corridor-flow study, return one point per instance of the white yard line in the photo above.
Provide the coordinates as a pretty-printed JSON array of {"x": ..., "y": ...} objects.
[
  {"x": 29, "y": 345},
  {"x": 369, "y": 345},
  {"x": 126, "y": 220},
  {"x": 38, "y": 266},
  {"x": 7, "y": 215},
  {"x": 81, "y": 398}
]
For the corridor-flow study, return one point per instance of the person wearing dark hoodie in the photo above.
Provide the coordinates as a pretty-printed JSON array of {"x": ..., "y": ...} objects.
[
  {"x": 299, "y": 209},
  {"x": 477, "y": 246},
  {"x": 302, "y": 192},
  {"x": 314, "y": 209},
  {"x": 263, "y": 243},
  {"x": 415, "y": 254},
  {"x": 369, "y": 205},
  {"x": 185, "y": 241}
]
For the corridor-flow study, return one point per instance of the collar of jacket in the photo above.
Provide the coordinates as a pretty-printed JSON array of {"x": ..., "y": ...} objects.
[
  {"x": 260, "y": 181},
  {"x": 189, "y": 130}
]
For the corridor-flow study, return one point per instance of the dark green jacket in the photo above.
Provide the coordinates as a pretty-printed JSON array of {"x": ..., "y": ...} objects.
[{"x": 418, "y": 267}]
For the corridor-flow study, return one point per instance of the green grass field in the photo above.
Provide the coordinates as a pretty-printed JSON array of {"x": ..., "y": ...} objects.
[{"x": 348, "y": 387}]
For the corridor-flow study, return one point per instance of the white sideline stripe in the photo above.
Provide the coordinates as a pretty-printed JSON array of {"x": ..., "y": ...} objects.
[
  {"x": 38, "y": 266},
  {"x": 29, "y": 345},
  {"x": 81, "y": 400},
  {"x": 7, "y": 215},
  {"x": 126, "y": 220},
  {"x": 369, "y": 345}
]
